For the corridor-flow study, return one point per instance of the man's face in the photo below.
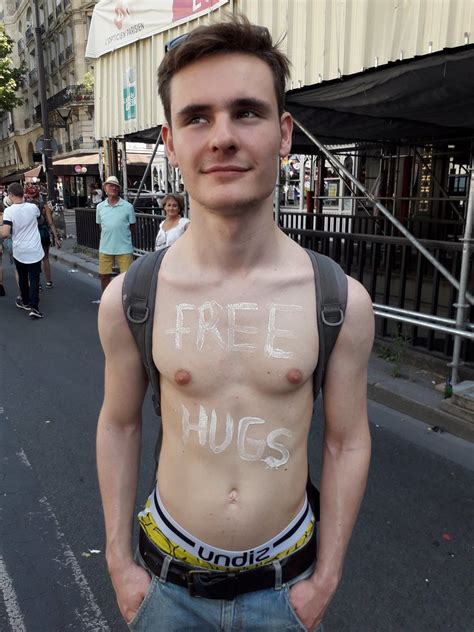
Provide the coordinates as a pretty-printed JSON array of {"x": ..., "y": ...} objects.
[
  {"x": 112, "y": 190},
  {"x": 226, "y": 132}
]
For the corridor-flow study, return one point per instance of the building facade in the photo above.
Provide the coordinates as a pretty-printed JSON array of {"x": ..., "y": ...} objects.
[{"x": 69, "y": 83}]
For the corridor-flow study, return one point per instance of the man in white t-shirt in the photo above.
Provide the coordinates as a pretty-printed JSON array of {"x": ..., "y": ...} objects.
[{"x": 21, "y": 221}]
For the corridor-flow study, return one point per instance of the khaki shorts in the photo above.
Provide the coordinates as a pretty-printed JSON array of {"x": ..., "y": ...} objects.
[{"x": 107, "y": 261}]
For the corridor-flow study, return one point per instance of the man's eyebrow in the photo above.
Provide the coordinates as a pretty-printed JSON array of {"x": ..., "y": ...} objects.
[{"x": 193, "y": 109}]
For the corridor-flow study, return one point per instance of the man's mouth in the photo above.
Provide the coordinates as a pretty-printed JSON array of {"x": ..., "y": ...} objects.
[{"x": 225, "y": 169}]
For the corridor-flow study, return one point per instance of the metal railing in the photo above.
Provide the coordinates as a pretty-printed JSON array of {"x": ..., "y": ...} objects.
[
  {"x": 400, "y": 281},
  {"x": 88, "y": 234}
]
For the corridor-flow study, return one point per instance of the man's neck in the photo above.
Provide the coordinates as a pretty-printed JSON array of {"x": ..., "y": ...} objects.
[
  {"x": 232, "y": 243},
  {"x": 113, "y": 200}
]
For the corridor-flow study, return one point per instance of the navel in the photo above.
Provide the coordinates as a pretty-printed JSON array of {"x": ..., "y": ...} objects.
[
  {"x": 233, "y": 495},
  {"x": 294, "y": 376},
  {"x": 182, "y": 377}
]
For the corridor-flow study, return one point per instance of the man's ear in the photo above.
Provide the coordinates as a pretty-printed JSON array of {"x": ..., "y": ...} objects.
[
  {"x": 167, "y": 136},
  {"x": 286, "y": 129}
]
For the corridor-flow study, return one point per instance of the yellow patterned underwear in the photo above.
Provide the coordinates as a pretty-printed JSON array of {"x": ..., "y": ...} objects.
[{"x": 172, "y": 539}]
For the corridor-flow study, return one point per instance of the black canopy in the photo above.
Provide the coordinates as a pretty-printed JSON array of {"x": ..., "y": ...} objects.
[{"x": 428, "y": 98}]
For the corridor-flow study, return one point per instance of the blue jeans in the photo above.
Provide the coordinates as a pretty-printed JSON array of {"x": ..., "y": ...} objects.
[{"x": 171, "y": 608}]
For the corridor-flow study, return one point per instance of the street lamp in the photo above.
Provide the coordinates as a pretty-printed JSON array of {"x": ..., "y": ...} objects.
[{"x": 65, "y": 116}]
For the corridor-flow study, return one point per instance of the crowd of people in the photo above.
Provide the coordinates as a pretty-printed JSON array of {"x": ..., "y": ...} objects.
[{"x": 27, "y": 215}]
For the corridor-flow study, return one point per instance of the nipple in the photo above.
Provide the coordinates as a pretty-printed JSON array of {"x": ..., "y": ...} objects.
[
  {"x": 182, "y": 377},
  {"x": 294, "y": 376}
]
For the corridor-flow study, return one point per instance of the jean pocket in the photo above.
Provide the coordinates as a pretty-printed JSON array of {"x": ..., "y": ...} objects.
[
  {"x": 291, "y": 608},
  {"x": 142, "y": 608}
]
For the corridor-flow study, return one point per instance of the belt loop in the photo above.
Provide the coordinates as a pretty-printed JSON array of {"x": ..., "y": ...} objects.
[
  {"x": 278, "y": 574},
  {"x": 164, "y": 569}
]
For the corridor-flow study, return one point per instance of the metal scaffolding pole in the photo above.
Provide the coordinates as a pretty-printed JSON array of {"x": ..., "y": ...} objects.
[
  {"x": 147, "y": 170},
  {"x": 461, "y": 305},
  {"x": 406, "y": 233}
]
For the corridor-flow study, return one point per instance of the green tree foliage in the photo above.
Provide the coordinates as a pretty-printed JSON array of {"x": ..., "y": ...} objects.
[{"x": 10, "y": 77}]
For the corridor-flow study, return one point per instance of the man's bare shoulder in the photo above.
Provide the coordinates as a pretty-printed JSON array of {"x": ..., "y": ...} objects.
[
  {"x": 357, "y": 332},
  {"x": 113, "y": 326}
]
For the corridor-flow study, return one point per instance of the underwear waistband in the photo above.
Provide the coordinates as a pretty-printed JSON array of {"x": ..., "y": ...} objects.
[{"x": 173, "y": 539}]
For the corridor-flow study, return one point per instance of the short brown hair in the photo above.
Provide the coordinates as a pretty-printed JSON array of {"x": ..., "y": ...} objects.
[
  {"x": 178, "y": 199},
  {"x": 15, "y": 189},
  {"x": 237, "y": 35}
]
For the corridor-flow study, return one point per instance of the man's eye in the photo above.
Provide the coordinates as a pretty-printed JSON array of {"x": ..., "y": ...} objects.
[
  {"x": 247, "y": 114},
  {"x": 196, "y": 120}
]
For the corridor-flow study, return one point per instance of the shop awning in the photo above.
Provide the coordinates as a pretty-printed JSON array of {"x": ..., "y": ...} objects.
[
  {"x": 15, "y": 176},
  {"x": 33, "y": 173},
  {"x": 425, "y": 99}
]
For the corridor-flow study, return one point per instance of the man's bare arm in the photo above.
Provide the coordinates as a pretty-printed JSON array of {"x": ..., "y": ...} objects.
[
  {"x": 118, "y": 447},
  {"x": 346, "y": 453},
  {"x": 6, "y": 230}
]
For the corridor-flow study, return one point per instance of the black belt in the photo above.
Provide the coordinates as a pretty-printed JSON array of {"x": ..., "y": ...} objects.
[{"x": 223, "y": 584}]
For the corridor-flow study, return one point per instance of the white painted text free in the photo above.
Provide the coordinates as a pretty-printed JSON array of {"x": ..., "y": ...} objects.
[{"x": 211, "y": 314}]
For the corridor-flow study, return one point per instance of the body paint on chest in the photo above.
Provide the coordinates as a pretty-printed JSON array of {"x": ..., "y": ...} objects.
[
  {"x": 248, "y": 448},
  {"x": 211, "y": 314}
]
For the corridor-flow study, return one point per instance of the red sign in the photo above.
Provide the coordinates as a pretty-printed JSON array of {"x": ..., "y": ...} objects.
[{"x": 187, "y": 8}]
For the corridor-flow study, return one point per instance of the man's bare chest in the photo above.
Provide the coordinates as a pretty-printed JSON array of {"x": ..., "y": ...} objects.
[{"x": 261, "y": 338}]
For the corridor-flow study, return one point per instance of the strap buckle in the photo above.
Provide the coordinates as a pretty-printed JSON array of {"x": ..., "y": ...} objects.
[
  {"x": 332, "y": 316},
  {"x": 134, "y": 319}
]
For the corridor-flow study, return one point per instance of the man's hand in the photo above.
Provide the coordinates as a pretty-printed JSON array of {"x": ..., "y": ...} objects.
[
  {"x": 310, "y": 600},
  {"x": 131, "y": 585}
]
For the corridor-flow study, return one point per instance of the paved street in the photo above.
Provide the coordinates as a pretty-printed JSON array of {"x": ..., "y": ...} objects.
[{"x": 409, "y": 567}]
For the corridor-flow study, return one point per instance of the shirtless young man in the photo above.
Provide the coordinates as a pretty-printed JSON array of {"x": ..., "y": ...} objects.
[{"x": 236, "y": 343}]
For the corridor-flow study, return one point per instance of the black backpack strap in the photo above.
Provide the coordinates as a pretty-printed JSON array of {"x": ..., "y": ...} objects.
[
  {"x": 138, "y": 299},
  {"x": 331, "y": 300}
]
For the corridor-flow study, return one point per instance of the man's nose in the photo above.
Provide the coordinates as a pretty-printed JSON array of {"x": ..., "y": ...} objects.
[{"x": 224, "y": 137}]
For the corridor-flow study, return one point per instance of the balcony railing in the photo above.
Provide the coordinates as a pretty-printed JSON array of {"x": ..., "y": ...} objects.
[
  {"x": 69, "y": 51},
  {"x": 33, "y": 76},
  {"x": 61, "y": 58}
]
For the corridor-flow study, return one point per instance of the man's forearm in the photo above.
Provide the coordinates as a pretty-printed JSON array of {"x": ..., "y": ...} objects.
[
  {"x": 118, "y": 454},
  {"x": 343, "y": 481}
]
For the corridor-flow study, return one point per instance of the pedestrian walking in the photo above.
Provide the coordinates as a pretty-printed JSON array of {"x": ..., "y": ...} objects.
[
  {"x": 46, "y": 228},
  {"x": 174, "y": 225},
  {"x": 228, "y": 535},
  {"x": 21, "y": 221},
  {"x": 116, "y": 219}
]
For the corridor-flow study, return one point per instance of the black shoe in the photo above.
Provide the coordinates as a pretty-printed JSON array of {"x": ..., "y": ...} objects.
[
  {"x": 35, "y": 313},
  {"x": 19, "y": 303},
  {"x": 2, "y": 290},
  {"x": 40, "y": 288}
]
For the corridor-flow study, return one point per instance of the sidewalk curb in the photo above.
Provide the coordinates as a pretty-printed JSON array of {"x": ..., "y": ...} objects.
[
  {"x": 75, "y": 262},
  {"x": 377, "y": 392}
]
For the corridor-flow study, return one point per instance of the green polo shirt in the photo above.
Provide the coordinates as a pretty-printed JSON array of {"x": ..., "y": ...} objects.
[{"x": 115, "y": 236}]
